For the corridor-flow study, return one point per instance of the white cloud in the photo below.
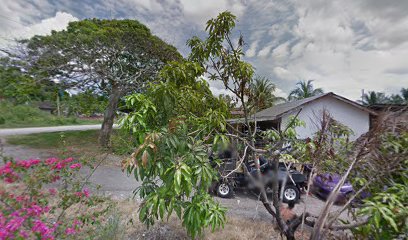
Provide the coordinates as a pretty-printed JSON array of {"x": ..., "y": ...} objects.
[
  {"x": 200, "y": 11},
  {"x": 58, "y": 22},
  {"x": 252, "y": 50}
]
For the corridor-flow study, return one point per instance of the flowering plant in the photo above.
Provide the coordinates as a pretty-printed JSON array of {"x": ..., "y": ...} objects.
[{"x": 36, "y": 195}]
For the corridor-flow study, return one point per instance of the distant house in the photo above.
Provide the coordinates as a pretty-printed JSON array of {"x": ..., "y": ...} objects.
[
  {"x": 47, "y": 106},
  {"x": 343, "y": 110}
]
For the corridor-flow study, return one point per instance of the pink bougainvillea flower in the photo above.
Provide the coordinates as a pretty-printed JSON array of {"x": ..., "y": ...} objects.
[
  {"x": 59, "y": 166},
  {"x": 78, "y": 194},
  {"x": 21, "y": 198},
  {"x": 6, "y": 169},
  {"x": 28, "y": 163},
  {"x": 70, "y": 231},
  {"x": 34, "y": 161},
  {"x": 23, "y": 234},
  {"x": 51, "y": 161},
  {"x": 75, "y": 165},
  {"x": 35, "y": 210},
  {"x": 43, "y": 229},
  {"x": 76, "y": 223},
  {"x": 52, "y": 191},
  {"x": 9, "y": 180},
  {"x": 4, "y": 234},
  {"x": 14, "y": 224},
  {"x": 86, "y": 192},
  {"x": 68, "y": 160},
  {"x": 56, "y": 178}
]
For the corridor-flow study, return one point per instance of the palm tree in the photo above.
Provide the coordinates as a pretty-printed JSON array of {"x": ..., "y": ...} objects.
[
  {"x": 262, "y": 94},
  {"x": 404, "y": 95},
  {"x": 304, "y": 90},
  {"x": 400, "y": 99},
  {"x": 372, "y": 98}
]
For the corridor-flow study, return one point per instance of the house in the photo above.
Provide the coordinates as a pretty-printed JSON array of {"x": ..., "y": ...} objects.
[
  {"x": 310, "y": 110},
  {"x": 47, "y": 106}
]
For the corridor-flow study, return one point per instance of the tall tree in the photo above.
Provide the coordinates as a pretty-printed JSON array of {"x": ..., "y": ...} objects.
[
  {"x": 230, "y": 101},
  {"x": 372, "y": 98},
  {"x": 111, "y": 56},
  {"x": 304, "y": 89},
  {"x": 262, "y": 94},
  {"x": 396, "y": 99},
  {"x": 404, "y": 95}
]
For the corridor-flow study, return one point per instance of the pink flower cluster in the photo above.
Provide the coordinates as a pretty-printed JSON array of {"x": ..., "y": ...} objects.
[
  {"x": 28, "y": 163},
  {"x": 19, "y": 220},
  {"x": 84, "y": 193},
  {"x": 8, "y": 173},
  {"x": 24, "y": 216},
  {"x": 59, "y": 164},
  {"x": 73, "y": 229}
]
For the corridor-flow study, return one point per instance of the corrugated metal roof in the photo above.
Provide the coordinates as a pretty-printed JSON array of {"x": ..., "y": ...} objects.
[{"x": 277, "y": 111}]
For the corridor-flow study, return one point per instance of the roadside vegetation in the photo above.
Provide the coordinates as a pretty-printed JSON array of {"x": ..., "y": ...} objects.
[
  {"x": 57, "y": 140},
  {"x": 17, "y": 116}
]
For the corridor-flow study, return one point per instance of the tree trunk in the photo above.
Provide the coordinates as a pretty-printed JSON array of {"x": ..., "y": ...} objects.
[{"x": 109, "y": 116}]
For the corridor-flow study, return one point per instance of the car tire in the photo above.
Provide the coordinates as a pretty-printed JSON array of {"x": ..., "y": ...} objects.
[
  {"x": 224, "y": 190},
  {"x": 291, "y": 193}
]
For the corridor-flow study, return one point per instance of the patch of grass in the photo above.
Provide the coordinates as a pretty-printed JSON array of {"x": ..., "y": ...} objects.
[
  {"x": 85, "y": 139},
  {"x": 122, "y": 142},
  {"x": 16, "y": 116}
]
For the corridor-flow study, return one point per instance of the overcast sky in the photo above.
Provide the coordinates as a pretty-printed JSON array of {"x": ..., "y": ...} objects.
[{"x": 344, "y": 46}]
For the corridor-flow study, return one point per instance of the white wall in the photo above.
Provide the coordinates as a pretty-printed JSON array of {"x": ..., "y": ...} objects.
[{"x": 356, "y": 119}]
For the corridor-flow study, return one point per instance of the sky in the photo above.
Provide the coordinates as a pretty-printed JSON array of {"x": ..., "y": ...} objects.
[{"x": 343, "y": 45}]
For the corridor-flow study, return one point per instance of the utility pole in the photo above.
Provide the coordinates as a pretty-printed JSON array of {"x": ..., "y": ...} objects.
[{"x": 58, "y": 105}]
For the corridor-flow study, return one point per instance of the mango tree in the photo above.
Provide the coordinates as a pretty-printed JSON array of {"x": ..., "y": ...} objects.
[{"x": 178, "y": 121}]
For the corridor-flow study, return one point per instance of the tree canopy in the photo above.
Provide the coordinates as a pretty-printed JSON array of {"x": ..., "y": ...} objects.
[
  {"x": 373, "y": 98},
  {"x": 111, "y": 56},
  {"x": 19, "y": 87}
]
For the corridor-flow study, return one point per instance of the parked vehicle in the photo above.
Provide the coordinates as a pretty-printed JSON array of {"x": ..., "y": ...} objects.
[
  {"x": 224, "y": 188},
  {"x": 323, "y": 185}
]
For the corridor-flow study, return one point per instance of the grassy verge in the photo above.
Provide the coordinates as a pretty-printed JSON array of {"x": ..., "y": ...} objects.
[
  {"x": 84, "y": 139},
  {"x": 18, "y": 116}
]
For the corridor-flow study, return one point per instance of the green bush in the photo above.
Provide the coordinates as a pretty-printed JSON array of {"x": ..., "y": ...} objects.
[
  {"x": 122, "y": 142},
  {"x": 31, "y": 116}
]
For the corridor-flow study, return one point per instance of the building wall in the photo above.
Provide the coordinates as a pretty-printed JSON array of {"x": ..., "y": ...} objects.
[{"x": 348, "y": 115}]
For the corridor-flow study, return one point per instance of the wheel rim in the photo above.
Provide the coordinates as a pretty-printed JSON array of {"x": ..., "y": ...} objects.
[
  {"x": 223, "y": 189},
  {"x": 290, "y": 194}
]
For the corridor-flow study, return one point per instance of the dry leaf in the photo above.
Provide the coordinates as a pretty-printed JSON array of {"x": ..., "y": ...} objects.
[{"x": 145, "y": 157}]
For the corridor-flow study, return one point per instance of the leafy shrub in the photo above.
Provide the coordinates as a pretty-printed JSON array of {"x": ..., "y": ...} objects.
[
  {"x": 2, "y": 120},
  {"x": 28, "y": 115},
  {"x": 123, "y": 142},
  {"x": 30, "y": 210}
]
